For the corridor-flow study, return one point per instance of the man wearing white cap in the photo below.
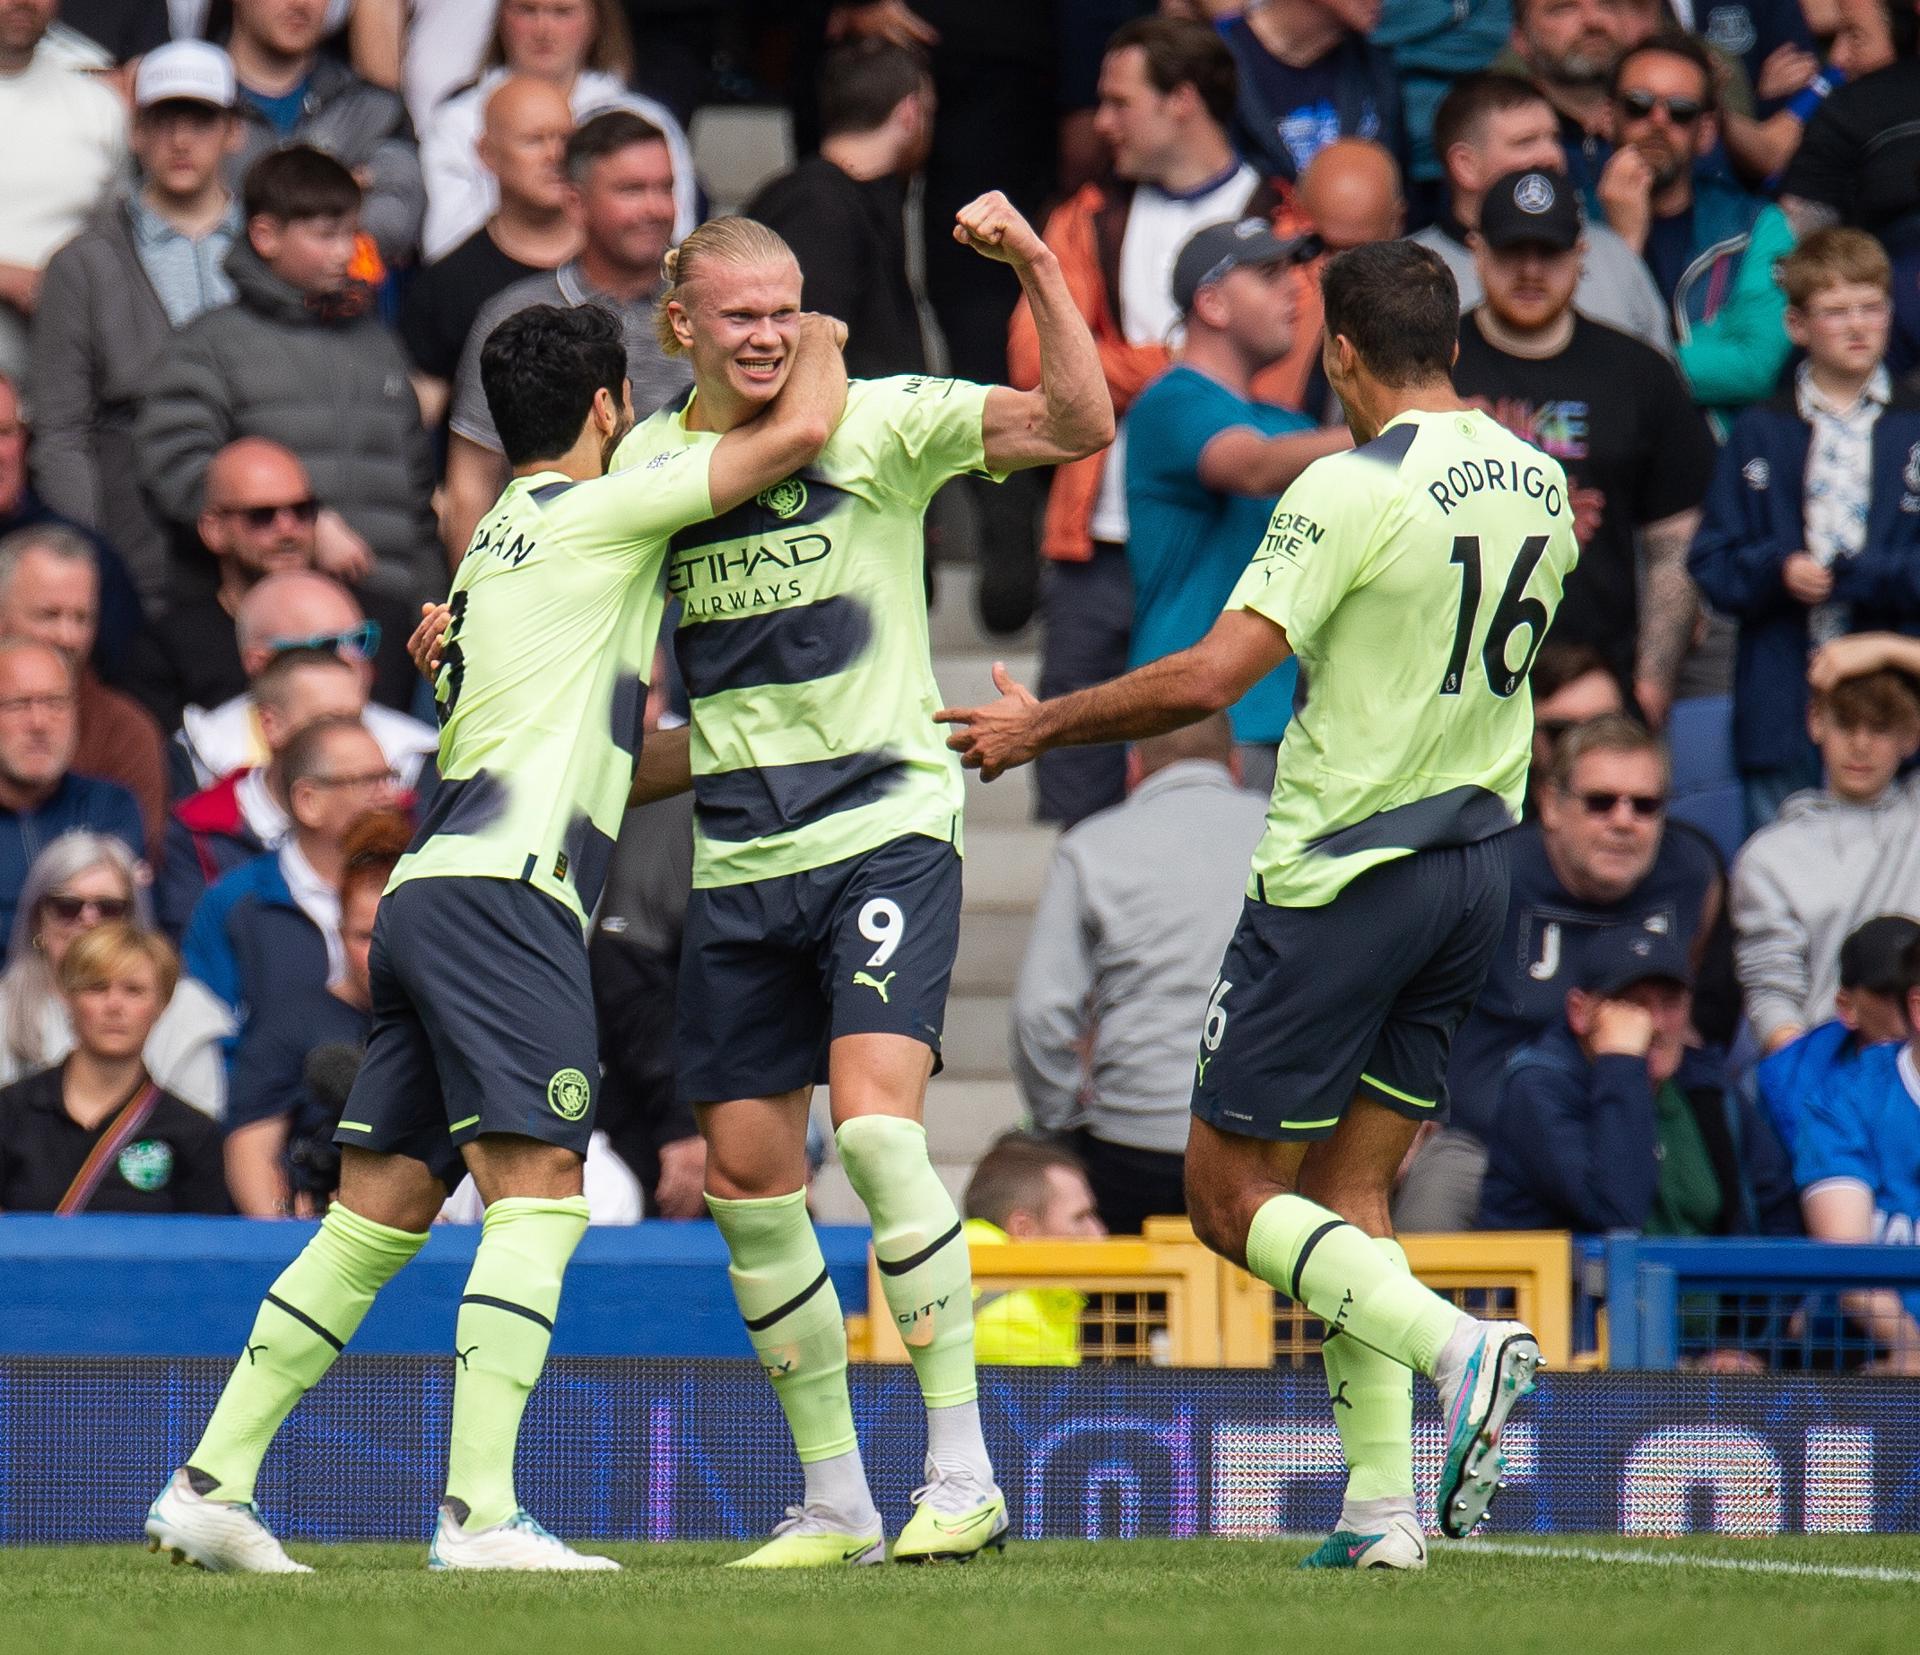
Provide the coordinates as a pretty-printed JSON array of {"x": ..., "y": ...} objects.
[{"x": 146, "y": 264}]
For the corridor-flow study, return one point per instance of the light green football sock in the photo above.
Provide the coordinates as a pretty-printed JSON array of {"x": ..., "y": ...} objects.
[
  {"x": 304, "y": 1322},
  {"x": 1373, "y": 1408},
  {"x": 500, "y": 1345},
  {"x": 1321, "y": 1261},
  {"x": 921, "y": 1251},
  {"x": 792, "y": 1313}
]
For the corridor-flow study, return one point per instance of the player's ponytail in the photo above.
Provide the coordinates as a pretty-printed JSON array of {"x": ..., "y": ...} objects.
[{"x": 719, "y": 241}]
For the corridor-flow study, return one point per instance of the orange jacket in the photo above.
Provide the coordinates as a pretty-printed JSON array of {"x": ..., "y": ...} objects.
[{"x": 1085, "y": 233}]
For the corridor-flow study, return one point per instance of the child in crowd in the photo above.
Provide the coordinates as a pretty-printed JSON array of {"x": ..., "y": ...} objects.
[{"x": 1812, "y": 527}]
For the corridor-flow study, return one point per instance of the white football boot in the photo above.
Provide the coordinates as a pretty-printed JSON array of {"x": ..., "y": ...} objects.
[
  {"x": 218, "y": 1535},
  {"x": 518, "y": 1543}
]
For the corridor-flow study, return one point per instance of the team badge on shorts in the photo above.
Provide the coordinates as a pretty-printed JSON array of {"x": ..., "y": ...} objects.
[
  {"x": 784, "y": 499},
  {"x": 568, "y": 1094}
]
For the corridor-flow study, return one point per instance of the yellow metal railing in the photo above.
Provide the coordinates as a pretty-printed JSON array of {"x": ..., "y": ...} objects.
[{"x": 1163, "y": 1299}]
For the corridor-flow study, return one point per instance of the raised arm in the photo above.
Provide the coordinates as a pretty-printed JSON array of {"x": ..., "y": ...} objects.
[
  {"x": 1241, "y": 648},
  {"x": 794, "y": 428},
  {"x": 1069, "y": 415}
]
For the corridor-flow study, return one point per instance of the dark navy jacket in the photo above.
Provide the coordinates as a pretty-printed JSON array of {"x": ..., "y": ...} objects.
[
  {"x": 1365, "y": 84},
  {"x": 1576, "y": 1145},
  {"x": 207, "y": 836},
  {"x": 78, "y": 802},
  {"x": 251, "y": 944},
  {"x": 1754, "y": 517}
]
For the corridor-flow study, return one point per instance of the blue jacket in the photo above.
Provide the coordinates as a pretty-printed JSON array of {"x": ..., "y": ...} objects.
[
  {"x": 78, "y": 802},
  {"x": 1366, "y": 91},
  {"x": 251, "y": 944},
  {"x": 1575, "y": 1146},
  {"x": 1754, "y": 516},
  {"x": 1803, "y": 1071},
  {"x": 1728, "y": 311}
]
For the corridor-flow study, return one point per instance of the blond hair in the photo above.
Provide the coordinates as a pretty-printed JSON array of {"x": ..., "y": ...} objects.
[
  {"x": 97, "y": 957},
  {"x": 733, "y": 240},
  {"x": 1828, "y": 258}
]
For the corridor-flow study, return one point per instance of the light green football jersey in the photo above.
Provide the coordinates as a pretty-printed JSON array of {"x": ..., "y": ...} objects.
[
  {"x": 542, "y": 682},
  {"x": 803, "y": 638},
  {"x": 1415, "y": 578}
]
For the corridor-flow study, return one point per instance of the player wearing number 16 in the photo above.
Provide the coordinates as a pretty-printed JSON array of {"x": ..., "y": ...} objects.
[
  {"x": 482, "y": 1052},
  {"x": 1414, "y": 579}
]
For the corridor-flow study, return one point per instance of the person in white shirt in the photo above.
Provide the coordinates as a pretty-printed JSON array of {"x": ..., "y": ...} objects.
[
  {"x": 581, "y": 46},
  {"x": 63, "y": 144}
]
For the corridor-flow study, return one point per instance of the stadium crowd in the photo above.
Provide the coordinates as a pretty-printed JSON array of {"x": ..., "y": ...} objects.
[{"x": 249, "y": 252}]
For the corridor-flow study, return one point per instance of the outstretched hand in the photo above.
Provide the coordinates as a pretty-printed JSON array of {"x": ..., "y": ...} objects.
[
  {"x": 994, "y": 228},
  {"x": 423, "y": 648},
  {"x": 996, "y": 738}
]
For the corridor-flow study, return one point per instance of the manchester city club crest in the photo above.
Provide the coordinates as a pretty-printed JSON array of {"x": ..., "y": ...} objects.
[
  {"x": 146, "y": 1164},
  {"x": 785, "y": 499},
  {"x": 568, "y": 1094}
]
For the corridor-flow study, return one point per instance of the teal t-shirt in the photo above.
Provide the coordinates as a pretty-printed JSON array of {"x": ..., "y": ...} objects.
[{"x": 1186, "y": 543}]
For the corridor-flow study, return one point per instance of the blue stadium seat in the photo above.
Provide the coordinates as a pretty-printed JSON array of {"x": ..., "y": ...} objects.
[{"x": 1706, "y": 786}]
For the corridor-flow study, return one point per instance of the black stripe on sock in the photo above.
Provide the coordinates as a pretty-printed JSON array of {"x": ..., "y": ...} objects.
[
  {"x": 1312, "y": 1242},
  {"x": 506, "y": 1304},
  {"x": 304, "y": 1320},
  {"x": 899, "y": 1267},
  {"x": 759, "y": 1324}
]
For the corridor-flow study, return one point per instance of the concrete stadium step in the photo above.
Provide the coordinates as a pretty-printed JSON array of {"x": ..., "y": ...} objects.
[
  {"x": 975, "y": 1043},
  {"x": 1005, "y": 868},
  {"x": 737, "y": 148},
  {"x": 965, "y": 676},
  {"x": 955, "y": 628},
  {"x": 991, "y": 947}
]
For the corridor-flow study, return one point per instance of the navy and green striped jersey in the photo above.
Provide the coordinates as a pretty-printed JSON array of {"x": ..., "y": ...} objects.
[
  {"x": 803, "y": 638},
  {"x": 542, "y": 682},
  {"x": 1415, "y": 577}
]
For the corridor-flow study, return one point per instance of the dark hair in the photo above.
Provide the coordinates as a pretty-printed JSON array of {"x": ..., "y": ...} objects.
[
  {"x": 1397, "y": 305},
  {"x": 298, "y": 181},
  {"x": 1672, "y": 43},
  {"x": 540, "y": 369},
  {"x": 1910, "y": 970},
  {"x": 1464, "y": 111},
  {"x": 861, "y": 84},
  {"x": 1559, "y": 664},
  {"x": 1179, "y": 53},
  {"x": 607, "y": 134},
  {"x": 1882, "y": 700},
  {"x": 1012, "y": 1176},
  {"x": 611, "y": 52}
]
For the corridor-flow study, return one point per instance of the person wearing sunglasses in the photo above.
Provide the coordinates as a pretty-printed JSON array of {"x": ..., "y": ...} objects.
[
  {"x": 1710, "y": 245},
  {"x": 80, "y": 881},
  {"x": 1602, "y": 859}
]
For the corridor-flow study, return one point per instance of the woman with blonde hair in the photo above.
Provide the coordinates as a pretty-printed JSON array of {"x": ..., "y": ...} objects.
[
  {"x": 96, "y": 1132},
  {"x": 582, "y": 46},
  {"x": 82, "y": 880}
]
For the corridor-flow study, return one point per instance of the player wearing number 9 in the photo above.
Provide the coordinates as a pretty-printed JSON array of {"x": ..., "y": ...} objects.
[{"x": 1415, "y": 579}]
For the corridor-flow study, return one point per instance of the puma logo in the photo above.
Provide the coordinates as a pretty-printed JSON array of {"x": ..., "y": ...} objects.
[
  {"x": 251, "y": 1358},
  {"x": 462, "y": 1355},
  {"x": 1203, "y": 1069},
  {"x": 877, "y": 984},
  {"x": 1340, "y": 1397}
]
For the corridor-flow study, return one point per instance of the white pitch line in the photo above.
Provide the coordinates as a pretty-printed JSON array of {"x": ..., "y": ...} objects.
[{"x": 1694, "y": 1560}]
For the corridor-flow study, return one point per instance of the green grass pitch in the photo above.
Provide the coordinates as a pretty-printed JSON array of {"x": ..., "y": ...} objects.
[{"x": 1167, "y": 1597}]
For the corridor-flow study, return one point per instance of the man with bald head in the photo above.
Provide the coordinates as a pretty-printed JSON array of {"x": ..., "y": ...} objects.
[
  {"x": 301, "y": 609},
  {"x": 523, "y": 144},
  {"x": 40, "y": 797}
]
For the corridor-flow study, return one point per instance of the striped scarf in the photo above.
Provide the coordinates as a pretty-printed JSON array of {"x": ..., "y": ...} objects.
[{"x": 119, "y": 1133}]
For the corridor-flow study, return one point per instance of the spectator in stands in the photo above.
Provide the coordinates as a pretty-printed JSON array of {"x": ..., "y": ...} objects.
[
  {"x": 279, "y": 1130},
  {"x": 1571, "y": 684},
  {"x": 301, "y": 358},
  {"x": 1856, "y": 1158},
  {"x": 80, "y": 881},
  {"x": 1166, "y": 98},
  {"x": 1568, "y": 48},
  {"x": 1869, "y": 1008},
  {"x": 1833, "y": 857},
  {"x": 523, "y": 147},
  {"x": 1602, "y": 859},
  {"x": 1309, "y": 75},
  {"x": 41, "y": 796},
  {"x": 63, "y": 141},
  {"x": 1026, "y": 1189},
  {"x": 1208, "y": 461},
  {"x": 620, "y": 176},
  {"x": 1710, "y": 245},
  {"x": 96, "y": 1133},
  {"x": 292, "y": 93},
  {"x": 297, "y": 610},
  {"x": 1637, "y": 453},
  {"x": 270, "y": 930},
  {"x": 841, "y": 210},
  {"x": 1489, "y": 125},
  {"x": 580, "y": 47},
  {"x": 50, "y": 593},
  {"x": 147, "y": 263},
  {"x": 1611, "y": 1121},
  {"x": 1809, "y": 531},
  {"x": 234, "y": 819},
  {"x": 1126, "y": 941}
]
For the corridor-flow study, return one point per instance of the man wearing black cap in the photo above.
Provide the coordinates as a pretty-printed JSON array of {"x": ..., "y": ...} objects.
[
  {"x": 1612, "y": 410},
  {"x": 1207, "y": 462},
  {"x": 1611, "y": 1121}
]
